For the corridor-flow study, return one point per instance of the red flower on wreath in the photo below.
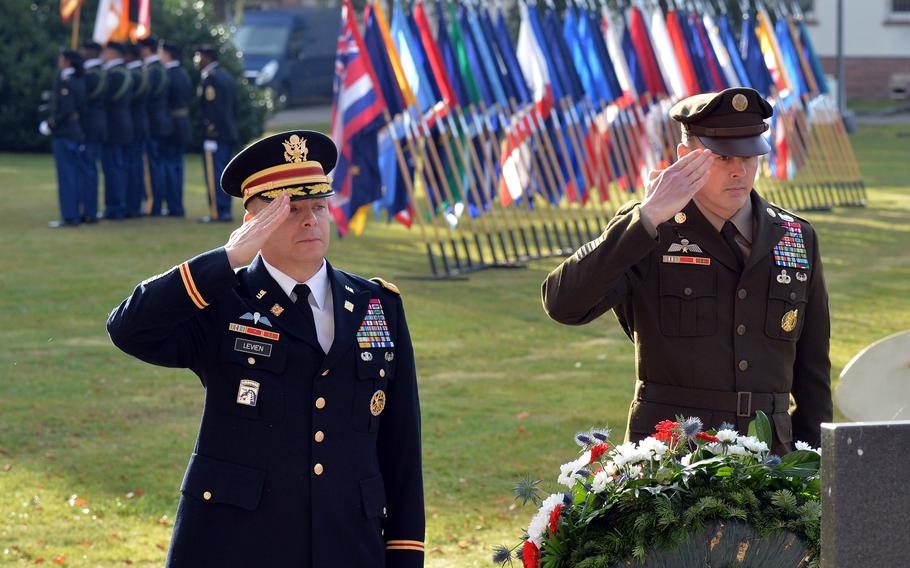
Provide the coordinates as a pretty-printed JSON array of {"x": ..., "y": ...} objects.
[
  {"x": 530, "y": 556},
  {"x": 598, "y": 450},
  {"x": 706, "y": 437},
  {"x": 665, "y": 431},
  {"x": 554, "y": 517}
]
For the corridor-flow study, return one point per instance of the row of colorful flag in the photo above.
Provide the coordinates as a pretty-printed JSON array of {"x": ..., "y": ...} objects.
[
  {"x": 116, "y": 20},
  {"x": 573, "y": 112}
]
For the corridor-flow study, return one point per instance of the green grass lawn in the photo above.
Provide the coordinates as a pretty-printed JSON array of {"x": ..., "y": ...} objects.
[{"x": 93, "y": 444}]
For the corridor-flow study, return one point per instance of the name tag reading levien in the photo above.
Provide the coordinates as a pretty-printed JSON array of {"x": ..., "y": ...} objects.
[
  {"x": 698, "y": 260},
  {"x": 253, "y": 347}
]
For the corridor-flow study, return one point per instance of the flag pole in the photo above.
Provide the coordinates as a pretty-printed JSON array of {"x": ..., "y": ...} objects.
[{"x": 74, "y": 37}]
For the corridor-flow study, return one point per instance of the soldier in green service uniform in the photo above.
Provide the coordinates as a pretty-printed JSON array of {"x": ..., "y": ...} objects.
[{"x": 721, "y": 292}]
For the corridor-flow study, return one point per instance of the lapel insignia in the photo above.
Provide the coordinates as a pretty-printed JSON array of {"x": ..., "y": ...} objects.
[
  {"x": 257, "y": 318},
  {"x": 697, "y": 260},
  {"x": 377, "y": 403},
  {"x": 260, "y": 294},
  {"x": 254, "y": 331},
  {"x": 685, "y": 246},
  {"x": 680, "y": 217},
  {"x": 248, "y": 393},
  {"x": 366, "y": 356},
  {"x": 389, "y": 356},
  {"x": 348, "y": 306},
  {"x": 783, "y": 277},
  {"x": 790, "y": 251},
  {"x": 374, "y": 330},
  {"x": 277, "y": 310},
  {"x": 788, "y": 322},
  {"x": 802, "y": 276},
  {"x": 348, "y": 288}
]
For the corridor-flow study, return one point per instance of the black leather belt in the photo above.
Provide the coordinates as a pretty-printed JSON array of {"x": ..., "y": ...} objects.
[{"x": 742, "y": 403}]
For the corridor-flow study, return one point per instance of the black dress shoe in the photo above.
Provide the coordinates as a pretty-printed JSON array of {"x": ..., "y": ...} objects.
[
  {"x": 225, "y": 219},
  {"x": 89, "y": 220},
  {"x": 62, "y": 224}
]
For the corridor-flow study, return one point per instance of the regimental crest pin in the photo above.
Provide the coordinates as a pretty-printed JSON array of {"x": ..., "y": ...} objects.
[
  {"x": 685, "y": 246},
  {"x": 377, "y": 403},
  {"x": 802, "y": 276},
  {"x": 788, "y": 322},
  {"x": 256, "y": 318},
  {"x": 248, "y": 393},
  {"x": 276, "y": 310}
]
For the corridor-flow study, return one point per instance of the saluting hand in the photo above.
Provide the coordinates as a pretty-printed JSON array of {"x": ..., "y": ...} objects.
[
  {"x": 249, "y": 237},
  {"x": 670, "y": 190}
]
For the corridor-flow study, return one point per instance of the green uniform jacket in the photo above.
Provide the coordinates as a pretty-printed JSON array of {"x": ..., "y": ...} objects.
[{"x": 710, "y": 341}]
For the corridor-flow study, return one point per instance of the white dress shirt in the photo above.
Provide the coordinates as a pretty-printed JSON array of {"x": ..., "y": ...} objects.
[{"x": 320, "y": 299}]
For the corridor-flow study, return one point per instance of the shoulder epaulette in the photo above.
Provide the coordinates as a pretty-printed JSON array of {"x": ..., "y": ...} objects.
[{"x": 387, "y": 285}]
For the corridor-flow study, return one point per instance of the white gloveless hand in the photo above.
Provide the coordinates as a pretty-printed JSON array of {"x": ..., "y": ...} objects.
[
  {"x": 210, "y": 146},
  {"x": 249, "y": 237}
]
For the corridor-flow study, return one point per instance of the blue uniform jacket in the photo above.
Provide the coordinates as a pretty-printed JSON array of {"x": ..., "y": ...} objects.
[
  {"x": 94, "y": 116},
  {"x": 66, "y": 104},
  {"x": 303, "y": 458},
  {"x": 217, "y": 104},
  {"x": 179, "y": 95},
  {"x": 118, "y": 98},
  {"x": 139, "y": 104},
  {"x": 160, "y": 123}
]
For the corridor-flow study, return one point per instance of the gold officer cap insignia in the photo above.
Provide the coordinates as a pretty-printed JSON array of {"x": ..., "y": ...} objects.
[
  {"x": 295, "y": 149},
  {"x": 740, "y": 102}
]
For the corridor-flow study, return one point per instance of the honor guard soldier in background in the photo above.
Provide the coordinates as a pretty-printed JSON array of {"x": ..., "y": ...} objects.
[
  {"x": 217, "y": 104},
  {"x": 64, "y": 125},
  {"x": 308, "y": 454},
  {"x": 94, "y": 126},
  {"x": 114, "y": 160},
  {"x": 721, "y": 291},
  {"x": 179, "y": 95},
  {"x": 137, "y": 190},
  {"x": 159, "y": 118}
]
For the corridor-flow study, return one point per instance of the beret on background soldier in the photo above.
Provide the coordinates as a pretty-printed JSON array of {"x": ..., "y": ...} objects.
[{"x": 730, "y": 123}]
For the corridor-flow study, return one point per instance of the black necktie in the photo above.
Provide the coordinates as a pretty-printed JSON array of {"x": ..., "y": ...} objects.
[
  {"x": 729, "y": 233},
  {"x": 303, "y": 304}
]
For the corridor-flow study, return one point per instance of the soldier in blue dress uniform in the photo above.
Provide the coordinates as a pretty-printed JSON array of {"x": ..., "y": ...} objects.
[
  {"x": 159, "y": 118},
  {"x": 217, "y": 104},
  {"x": 308, "y": 453},
  {"x": 114, "y": 159},
  {"x": 94, "y": 126},
  {"x": 137, "y": 191},
  {"x": 64, "y": 125},
  {"x": 179, "y": 95}
]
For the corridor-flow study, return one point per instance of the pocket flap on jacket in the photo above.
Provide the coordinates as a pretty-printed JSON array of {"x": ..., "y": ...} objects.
[
  {"x": 215, "y": 481},
  {"x": 372, "y": 490}
]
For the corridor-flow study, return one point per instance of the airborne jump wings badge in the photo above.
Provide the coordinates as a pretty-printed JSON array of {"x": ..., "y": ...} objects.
[
  {"x": 256, "y": 318},
  {"x": 685, "y": 246}
]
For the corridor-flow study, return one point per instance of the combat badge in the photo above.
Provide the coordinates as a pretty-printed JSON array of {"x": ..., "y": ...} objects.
[
  {"x": 248, "y": 393},
  {"x": 783, "y": 277},
  {"x": 377, "y": 403},
  {"x": 366, "y": 356},
  {"x": 389, "y": 356},
  {"x": 788, "y": 322}
]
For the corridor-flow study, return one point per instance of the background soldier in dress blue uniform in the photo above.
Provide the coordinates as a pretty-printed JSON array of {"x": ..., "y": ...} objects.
[
  {"x": 137, "y": 190},
  {"x": 67, "y": 100},
  {"x": 179, "y": 94},
  {"x": 159, "y": 117},
  {"x": 722, "y": 292},
  {"x": 217, "y": 104},
  {"x": 308, "y": 454},
  {"x": 114, "y": 161},
  {"x": 94, "y": 126}
]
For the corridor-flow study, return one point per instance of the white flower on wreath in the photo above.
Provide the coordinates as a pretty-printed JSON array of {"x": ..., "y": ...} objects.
[
  {"x": 686, "y": 459},
  {"x": 601, "y": 480},
  {"x": 628, "y": 453},
  {"x": 752, "y": 444},
  {"x": 737, "y": 451},
  {"x": 634, "y": 471},
  {"x": 567, "y": 471},
  {"x": 611, "y": 468},
  {"x": 805, "y": 446},
  {"x": 727, "y": 436},
  {"x": 537, "y": 529},
  {"x": 653, "y": 446}
]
